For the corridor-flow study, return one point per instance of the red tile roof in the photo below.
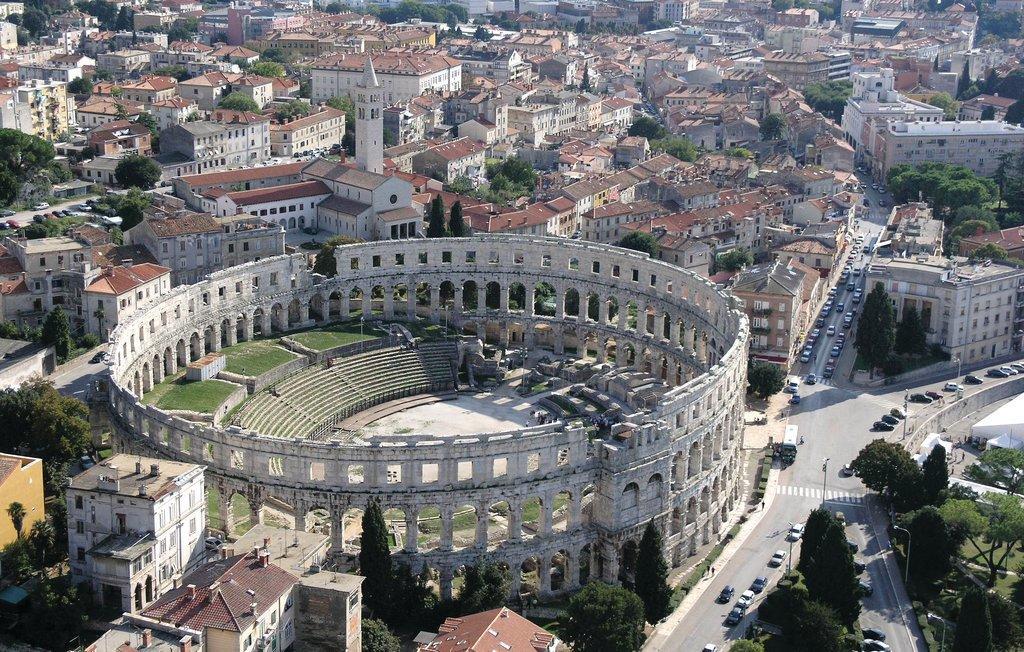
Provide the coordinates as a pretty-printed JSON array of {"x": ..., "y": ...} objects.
[
  {"x": 217, "y": 595},
  {"x": 303, "y": 189},
  {"x": 239, "y": 176},
  {"x": 497, "y": 629},
  {"x": 122, "y": 279}
]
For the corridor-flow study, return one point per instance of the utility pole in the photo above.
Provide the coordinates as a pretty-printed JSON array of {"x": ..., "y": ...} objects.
[
  {"x": 824, "y": 478},
  {"x": 906, "y": 573}
]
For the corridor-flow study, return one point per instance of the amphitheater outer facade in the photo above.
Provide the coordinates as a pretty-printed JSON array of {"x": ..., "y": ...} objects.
[{"x": 679, "y": 466}]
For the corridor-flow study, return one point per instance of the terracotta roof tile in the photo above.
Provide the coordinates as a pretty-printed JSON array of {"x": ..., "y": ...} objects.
[{"x": 121, "y": 279}]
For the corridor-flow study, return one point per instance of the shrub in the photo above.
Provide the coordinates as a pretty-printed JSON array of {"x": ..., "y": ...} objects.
[{"x": 88, "y": 341}]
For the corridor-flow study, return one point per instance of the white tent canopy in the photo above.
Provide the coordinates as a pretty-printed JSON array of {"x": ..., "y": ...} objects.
[
  {"x": 930, "y": 442},
  {"x": 1007, "y": 421}
]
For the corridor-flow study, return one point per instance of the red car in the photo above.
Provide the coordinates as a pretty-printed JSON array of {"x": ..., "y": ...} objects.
[{"x": 13, "y": 224}]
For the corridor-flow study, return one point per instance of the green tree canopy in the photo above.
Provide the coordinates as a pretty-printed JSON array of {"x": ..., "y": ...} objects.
[
  {"x": 292, "y": 109},
  {"x": 137, "y": 171},
  {"x": 16, "y": 512},
  {"x": 829, "y": 98},
  {"x": 817, "y": 524},
  {"x": 651, "y": 578},
  {"x": 875, "y": 327},
  {"x": 816, "y": 628},
  {"x": 945, "y": 102},
  {"x": 80, "y": 86},
  {"x": 936, "y": 474},
  {"x": 910, "y": 336},
  {"x": 974, "y": 626},
  {"x": 746, "y": 645},
  {"x": 457, "y": 225},
  {"x": 23, "y": 155},
  {"x": 945, "y": 187},
  {"x": 375, "y": 560},
  {"x": 649, "y": 128},
  {"x": 1007, "y": 632},
  {"x": 378, "y": 638},
  {"x": 773, "y": 127},
  {"x": 436, "y": 218},
  {"x": 999, "y": 467},
  {"x": 57, "y": 333},
  {"x": 764, "y": 378},
  {"x": 931, "y": 545},
  {"x": 734, "y": 260},
  {"x": 237, "y": 101},
  {"x": 831, "y": 577},
  {"x": 680, "y": 147},
  {"x": 267, "y": 69},
  {"x": 604, "y": 618},
  {"x": 887, "y": 468},
  {"x": 995, "y": 527},
  {"x": 485, "y": 586},
  {"x": 989, "y": 251},
  {"x": 640, "y": 241}
]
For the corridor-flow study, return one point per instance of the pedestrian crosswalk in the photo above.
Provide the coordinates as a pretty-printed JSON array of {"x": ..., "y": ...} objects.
[{"x": 846, "y": 497}]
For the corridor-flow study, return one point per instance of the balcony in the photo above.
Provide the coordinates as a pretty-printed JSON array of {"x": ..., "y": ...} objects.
[
  {"x": 761, "y": 312},
  {"x": 760, "y": 330}
]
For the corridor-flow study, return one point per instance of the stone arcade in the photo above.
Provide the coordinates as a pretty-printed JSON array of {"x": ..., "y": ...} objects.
[{"x": 678, "y": 465}]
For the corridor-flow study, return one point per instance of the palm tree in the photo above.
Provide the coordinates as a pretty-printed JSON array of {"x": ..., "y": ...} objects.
[
  {"x": 42, "y": 537},
  {"x": 17, "y": 513}
]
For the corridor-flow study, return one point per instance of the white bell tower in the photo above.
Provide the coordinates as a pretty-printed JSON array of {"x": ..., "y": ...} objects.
[{"x": 369, "y": 122}]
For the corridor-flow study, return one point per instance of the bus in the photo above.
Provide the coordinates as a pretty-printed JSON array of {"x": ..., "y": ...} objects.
[{"x": 789, "y": 444}]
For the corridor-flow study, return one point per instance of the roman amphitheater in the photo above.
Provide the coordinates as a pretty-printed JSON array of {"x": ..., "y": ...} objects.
[{"x": 534, "y": 401}]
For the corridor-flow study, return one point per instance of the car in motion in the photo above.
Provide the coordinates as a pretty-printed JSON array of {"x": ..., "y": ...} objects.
[
  {"x": 865, "y": 588},
  {"x": 811, "y": 379},
  {"x": 795, "y": 399},
  {"x": 734, "y": 617},
  {"x": 921, "y": 398},
  {"x": 846, "y": 471},
  {"x": 883, "y": 426},
  {"x": 777, "y": 558},
  {"x": 795, "y": 532},
  {"x": 726, "y": 595}
]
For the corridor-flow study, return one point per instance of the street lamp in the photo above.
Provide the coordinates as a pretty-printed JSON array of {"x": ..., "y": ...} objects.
[
  {"x": 906, "y": 415},
  {"x": 932, "y": 618},
  {"x": 906, "y": 570},
  {"x": 824, "y": 478},
  {"x": 789, "y": 563},
  {"x": 959, "y": 365}
]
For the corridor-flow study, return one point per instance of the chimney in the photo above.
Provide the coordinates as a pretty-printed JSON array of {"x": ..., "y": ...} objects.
[
  {"x": 154, "y": 469},
  {"x": 147, "y": 637},
  {"x": 185, "y": 644},
  {"x": 223, "y": 553},
  {"x": 190, "y": 591},
  {"x": 266, "y": 543},
  {"x": 109, "y": 269},
  {"x": 264, "y": 559},
  {"x": 138, "y": 465}
]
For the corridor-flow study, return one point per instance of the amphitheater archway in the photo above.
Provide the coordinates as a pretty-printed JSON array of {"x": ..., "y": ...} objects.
[
  {"x": 627, "y": 562},
  {"x": 493, "y": 296},
  {"x": 498, "y": 515},
  {"x": 316, "y": 308},
  {"x": 355, "y": 303},
  {"x": 572, "y": 302},
  {"x": 559, "y": 570},
  {"x": 294, "y": 313},
  {"x": 464, "y": 527},
  {"x": 334, "y": 305},
  {"x": 196, "y": 347},
  {"x": 544, "y": 300},
  {"x": 516, "y": 297},
  {"x": 257, "y": 322},
  {"x": 613, "y": 310},
  {"x": 560, "y": 511},
  {"x": 469, "y": 295},
  {"x": 429, "y": 525},
  {"x": 531, "y": 516},
  {"x": 278, "y": 318},
  {"x": 394, "y": 519},
  {"x": 529, "y": 571}
]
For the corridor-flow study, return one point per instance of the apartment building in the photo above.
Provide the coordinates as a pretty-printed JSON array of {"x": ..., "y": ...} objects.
[
  {"x": 500, "y": 65},
  {"x": 49, "y": 71},
  {"x": 123, "y": 63},
  {"x": 798, "y": 70},
  {"x": 149, "y": 90},
  {"x": 976, "y": 145},
  {"x": 209, "y": 89},
  {"x": 136, "y": 525},
  {"x": 51, "y": 111},
  {"x": 120, "y": 138},
  {"x": 188, "y": 243},
  {"x": 248, "y": 238},
  {"x": 319, "y": 130},
  {"x": 967, "y": 308},
  {"x": 875, "y": 101},
  {"x": 116, "y": 293},
  {"x": 402, "y": 75},
  {"x": 229, "y": 139},
  {"x": 447, "y": 161},
  {"x": 533, "y": 122}
]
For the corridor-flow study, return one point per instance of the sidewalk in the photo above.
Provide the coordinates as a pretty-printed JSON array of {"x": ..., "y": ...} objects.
[{"x": 661, "y": 638}]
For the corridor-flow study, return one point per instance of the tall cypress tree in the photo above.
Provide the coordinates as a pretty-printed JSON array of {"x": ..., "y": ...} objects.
[
  {"x": 936, "y": 474},
  {"x": 652, "y": 576},
  {"x": 964, "y": 82},
  {"x": 910, "y": 335},
  {"x": 814, "y": 532},
  {"x": 436, "y": 221},
  {"x": 585, "y": 84},
  {"x": 875, "y": 327},
  {"x": 831, "y": 577},
  {"x": 974, "y": 627},
  {"x": 456, "y": 225},
  {"x": 57, "y": 333},
  {"x": 375, "y": 560}
]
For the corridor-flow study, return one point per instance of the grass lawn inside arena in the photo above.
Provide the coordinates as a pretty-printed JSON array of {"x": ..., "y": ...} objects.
[
  {"x": 256, "y": 357},
  {"x": 202, "y": 396}
]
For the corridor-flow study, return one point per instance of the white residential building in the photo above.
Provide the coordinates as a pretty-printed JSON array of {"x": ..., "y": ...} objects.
[
  {"x": 136, "y": 526},
  {"x": 875, "y": 101},
  {"x": 976, "y": 145},
  {"x": 402, "y": 76}
]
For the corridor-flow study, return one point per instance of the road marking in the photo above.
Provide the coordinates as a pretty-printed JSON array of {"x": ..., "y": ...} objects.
[{"x": 810, "y": 492}]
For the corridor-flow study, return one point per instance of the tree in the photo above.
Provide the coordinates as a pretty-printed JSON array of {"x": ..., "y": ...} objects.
[
  {"x": 974, "y": 626},
  {"x": 999, "y": 467},
  {"x": 764, "y": 378},
  {"x": 34, "y": 21},
  {"x": 378, "y": 638},
  {"x": 875, "y": 327},
  {"x": 42, "y": 537},
  {"x": 910, "y": 336},
  {"x": 23, "y": 155},
  {"x": 137, "y": 171},
  {"x": 267, "y": 69},
  {"x": 604, "y": 618},
  {"x": 585, "y": 83},
  {"x": 734, "y": 260},
  {"x": 936, "y": 475},
  {"x": 995, "y": 527},
  {"x": 345, "y": 105},
  {"x": 456, "y": 225},
  {"x": 817, "y": 524},
  {"x": 485, "y": 586},
  {"x": 325, "y": 262},
  {"x": 746, "y": 645},
  {"x": 989, "y": 251},
  {"x": 831, "y": 577},
  {"x": 773, "y": 127},
  {"x": 17, "y": 513},
  {"x": 1007, "y": 632},
  {"x": 124, "y": 20},
  {"x": 739, "y": 152},
  {"x": 945, "y": 102},
  {"x": 581, "y": 26},
  {"x": 640, "y": 241},
  {"x": 482, "y": 34},
  {"x": 460, "y": 186},
  {"x": 676, "y": 146},
  {"x": 988, "y": 113},
  {"x": 9, "y": 188},
  {"x": 1015, "y": 113},
  {"x": 239, "y": 102},
  {"x": 649, "y": 128},
  {"x": 816, "y": 628},
  {"x": 931, "y": 545},
  {"x": 375, "y": 560},
  {"x": 57, "y": 333},
  {"x": 292, "y": 109},
  {"x": 436, "y": 221},
  {"x": 651, "y": 582},
  {"x": 131, "y": 207},
  {"x": 963, "y": 82},
  {"x": 829, "y": 98},
  {"x": 80, "y": 86},
  {"x": 888, "y": 469}
]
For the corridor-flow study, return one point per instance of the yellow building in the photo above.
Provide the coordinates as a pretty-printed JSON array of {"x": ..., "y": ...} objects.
[
  {"x": 21, "y": 481},
  {"x": 51, "y": 110}
]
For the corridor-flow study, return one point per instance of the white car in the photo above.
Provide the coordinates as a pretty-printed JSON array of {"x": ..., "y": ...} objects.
[
  {"x": 795, "y": 532},
  {"x": 777, "y": 558},
  {"x": 41, "y": 206},
  {"x": 953, "y": 387},
  {"x": 1009, "y": 370},
  {"x": 745, "y": 599}
]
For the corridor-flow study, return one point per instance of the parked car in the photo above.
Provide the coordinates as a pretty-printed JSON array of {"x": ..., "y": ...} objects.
[
  {"x": 13, "y": 224},
  {"x": 997, "y": 373},
  {"x": 777, "y": 558},
  {"x": 1016, "y": 365},
  {"x": 953, "y": 387},
  {"x": 39, "y": 218},
  {"x": 805, "y": 357},
  {"x": 876, "y": 646},
  {"x": 792, "y": 386},
  {"x": 811, "y": 379},
  {"x": 873, "y": 634},
  {"x": 898, "y": 413},
  {"x": 834, "y": 353},
  {"x": 971, "y": 379},
  {"x": 745, "y": 599},
  {"x": 86, "y": 462},
  {"x": 820, "y": 322},
  {"x": 890, "y": 419},
  {"x": 6, "y": 213},
  {"x": 40, "y": 206},
  {"x": 846, "y": 471},
  {"x": 1009, "y": 370},
  {"x": 852, "y": 545},
  {"x": 859, "y": 566},
  {"x": 213, "y": 543},
  {"x": 882, "y": 425},
  {"x": 933, "y": 395},
  {"x": 710, "y": 647},
  {"x": 920, "y": 398},
  {"x": 726, "y": 595},
  {"x": 795, "y": 532},
  {"x": 734, "y": 617},
  {"x": 4, "y": 226},
  {"x": 759, "y": 585},
  {"x": 97, "y": 357},
  {"x": 795, "y": 399}
]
